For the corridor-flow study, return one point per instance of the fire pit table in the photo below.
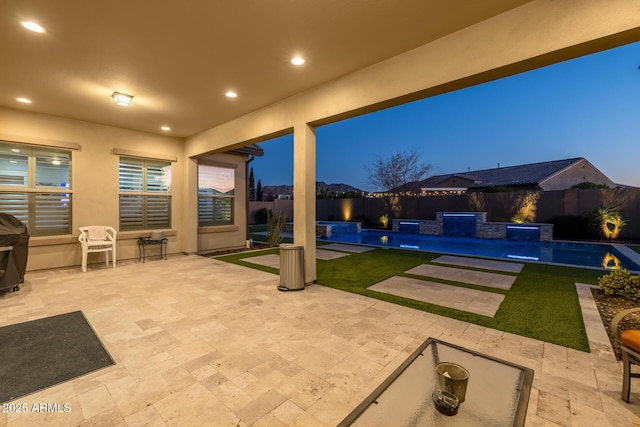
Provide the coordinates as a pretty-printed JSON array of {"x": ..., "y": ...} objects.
[{"x": 497, "y": 392}]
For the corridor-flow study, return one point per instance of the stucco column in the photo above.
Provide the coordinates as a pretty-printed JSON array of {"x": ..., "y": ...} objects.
[
  {"x": 304, "y": 196},
  {"x": 191, "y": 207}
]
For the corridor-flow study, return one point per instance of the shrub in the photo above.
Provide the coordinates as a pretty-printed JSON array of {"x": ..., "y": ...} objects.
[
  {"x": 262, "y": 215},
  {"x": 497, "y": 189},
  {"x": 586, "y": 185},
  {"x": 622, "y": 283},
  {"x": 274, "y": 231},
  {"x": 363, "y": 220},
  {"x": 610, "y": 222}
]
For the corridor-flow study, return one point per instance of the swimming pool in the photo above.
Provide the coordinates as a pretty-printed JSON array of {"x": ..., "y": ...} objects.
[{"x": 570, "y": 253}]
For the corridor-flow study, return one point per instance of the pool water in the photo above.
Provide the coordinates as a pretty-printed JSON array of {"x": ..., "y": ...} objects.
[
  {"x": 341, "y": 228},
  {"x": 571, "y": 253}
]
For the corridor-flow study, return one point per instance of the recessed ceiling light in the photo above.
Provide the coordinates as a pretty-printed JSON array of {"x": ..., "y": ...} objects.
[
  {"x": 24, "y": 100},
  {"x": 121, "y": 98},
  {"x": 32, "y": 26},
  {"x": 297, "y": 60},
  {"x": 166, "y": 128},
  {"x": 15, "y": 150},
  {"x": 231, "y": 94}
]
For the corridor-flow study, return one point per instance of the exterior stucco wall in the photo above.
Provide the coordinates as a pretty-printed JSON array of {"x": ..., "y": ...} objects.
[
  {"x": 228, "y": 236},
  {"x": 94, "y": 182},
  {"x": 582, "y": 171}
]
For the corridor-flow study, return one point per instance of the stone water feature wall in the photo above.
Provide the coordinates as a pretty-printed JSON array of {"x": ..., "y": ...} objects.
[
  {"x": 326, "y": 229},
  {"x": 474, "y": 224}
]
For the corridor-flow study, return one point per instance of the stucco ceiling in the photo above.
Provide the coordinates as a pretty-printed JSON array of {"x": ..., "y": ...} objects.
[{"x": 179, "y": 58}]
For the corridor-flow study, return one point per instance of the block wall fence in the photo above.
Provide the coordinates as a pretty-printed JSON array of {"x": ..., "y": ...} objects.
[{"x": 538, "y": 206}]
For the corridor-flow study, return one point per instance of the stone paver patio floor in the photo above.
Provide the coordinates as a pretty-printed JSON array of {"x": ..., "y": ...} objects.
[{"x": 201, "y": 342}]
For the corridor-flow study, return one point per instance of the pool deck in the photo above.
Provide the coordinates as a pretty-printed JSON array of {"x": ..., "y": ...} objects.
[
  {"x": 629, "y": 253},
  {"x": 198, "y": 341}
]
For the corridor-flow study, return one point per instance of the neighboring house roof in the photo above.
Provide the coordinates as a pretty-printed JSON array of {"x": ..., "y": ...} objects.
[
  {"x": 521, "y": 175},
  {"x": 529, "y": 174}
]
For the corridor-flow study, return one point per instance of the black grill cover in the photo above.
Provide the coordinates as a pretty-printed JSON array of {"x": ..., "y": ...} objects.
[{"x": 13, "y": 263}]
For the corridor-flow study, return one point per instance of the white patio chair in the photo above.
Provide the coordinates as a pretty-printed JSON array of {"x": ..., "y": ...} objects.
[{"x": 97, "y": 238}]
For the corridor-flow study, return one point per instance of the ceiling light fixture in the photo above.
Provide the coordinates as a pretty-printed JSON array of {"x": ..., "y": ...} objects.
[
  {"x": 24, "y": 100},
  {"x": 297, "y": 61},
  {"x": 55, "y": 162},
  {"x": 165, "y": 128},
  {"x": 231, "y": 94},
  {"x": 32, "y": 26},
  {"x": 121, "y": 98}
]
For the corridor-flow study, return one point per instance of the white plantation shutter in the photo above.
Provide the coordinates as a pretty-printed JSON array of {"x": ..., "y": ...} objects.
[
  {"x": 158, "y": 177},
  {"x": 131, "y": 175},
  {"x": 131, "y": 212},
  {"x": 16, "y": 204},
  {"x": 14, "y": 166},
  {"x": 52, "y": 213},
  {"x": 35, "y": 187},
  {"x": 52, "y": 170},
  {"x": 141, "y": 207}
]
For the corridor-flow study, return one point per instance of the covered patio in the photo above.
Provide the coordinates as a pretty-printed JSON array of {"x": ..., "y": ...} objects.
[
  {"x": 179, "y": 62},
  {"x": 197, "y": 341},
  {"x": 200, "y": 342}
]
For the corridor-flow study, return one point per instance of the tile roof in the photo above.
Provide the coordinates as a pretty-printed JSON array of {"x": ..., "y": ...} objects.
[{"x": 529, "y": 174}]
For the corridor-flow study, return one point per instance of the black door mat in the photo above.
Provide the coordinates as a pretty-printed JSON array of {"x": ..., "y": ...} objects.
[{"x": 41, "y": 353}]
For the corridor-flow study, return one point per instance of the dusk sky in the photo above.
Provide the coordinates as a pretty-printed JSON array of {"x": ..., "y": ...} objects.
[{"x": 587, "y": 107}]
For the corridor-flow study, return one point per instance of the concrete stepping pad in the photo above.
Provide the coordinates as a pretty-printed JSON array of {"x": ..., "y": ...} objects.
[
  {"x": 471, "y": 300},
  {"x": 480, "y": 278},
  {"x": 328, "y": 255},
  {"x": 487, "y": 264},
  {"x": 347, "y": 248},
  {"x": 273, "y": 260},
  {"x": 270, "y": 260}
]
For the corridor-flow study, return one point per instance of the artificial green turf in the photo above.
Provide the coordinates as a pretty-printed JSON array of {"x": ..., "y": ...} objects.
[{"x": 541, "y": 304}]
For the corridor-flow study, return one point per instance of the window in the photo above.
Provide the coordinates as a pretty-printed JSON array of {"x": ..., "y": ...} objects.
[
  {"x": 216, "y": 188},
  {"x": 35, "y": 187},
  {"x": 145, "y": 194}
]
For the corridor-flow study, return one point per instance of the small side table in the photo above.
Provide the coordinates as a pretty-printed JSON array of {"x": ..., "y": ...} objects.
[{"x": 143, "y": 242}]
